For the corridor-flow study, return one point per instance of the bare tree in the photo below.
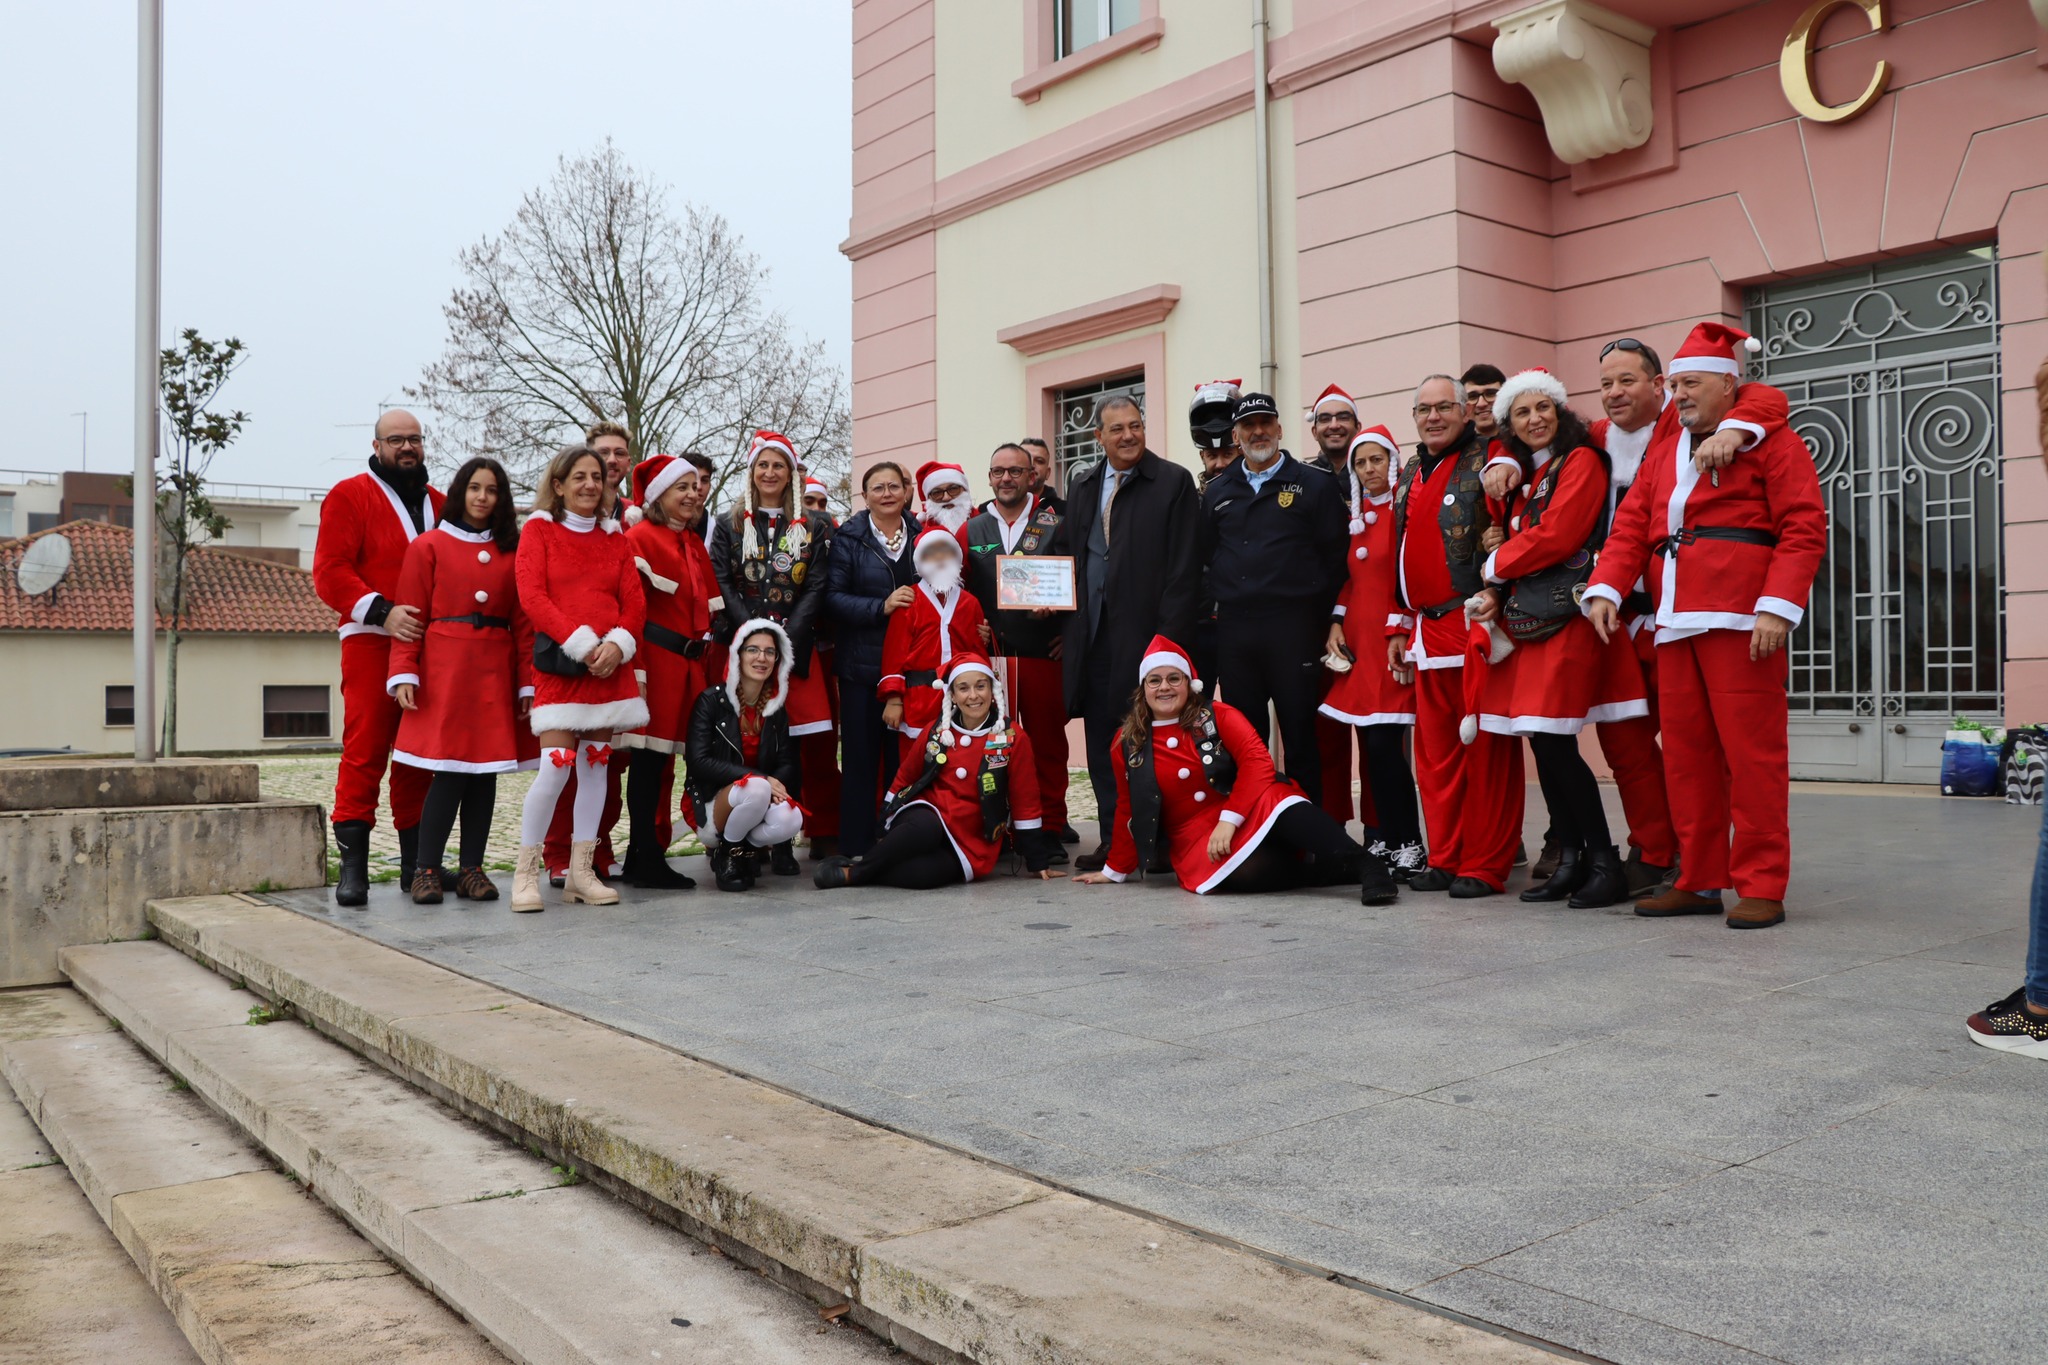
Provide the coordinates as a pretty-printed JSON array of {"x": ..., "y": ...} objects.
[{"x": 598, "y": 303}]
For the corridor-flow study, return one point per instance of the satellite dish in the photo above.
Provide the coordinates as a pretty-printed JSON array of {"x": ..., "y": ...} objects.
[{"x": 43, "y": 564}]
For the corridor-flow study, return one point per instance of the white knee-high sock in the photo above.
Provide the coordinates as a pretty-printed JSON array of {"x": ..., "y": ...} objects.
[
  {"x": 748, "y": 802},
  {"x": 783, "y": 821},
  {"x": 539, "y": 810},
  {"x": 591, "y": 778}
]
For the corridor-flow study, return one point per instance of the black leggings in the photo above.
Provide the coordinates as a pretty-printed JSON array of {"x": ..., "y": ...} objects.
[
  {"x": 1391, "y": 783},
  {"x": 914, "y": 854},
  {"x": 473, "y": 794},
  {"x": 1577, "y": 817},
  {"x": 1276, "y": 865}
]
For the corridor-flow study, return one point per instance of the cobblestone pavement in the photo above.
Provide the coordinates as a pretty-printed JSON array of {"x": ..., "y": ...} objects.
[{"x": 1651, "y": 1141}]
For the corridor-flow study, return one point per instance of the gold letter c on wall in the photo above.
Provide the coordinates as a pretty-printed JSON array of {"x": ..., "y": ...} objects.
[{"x": 1795, "y": 63}]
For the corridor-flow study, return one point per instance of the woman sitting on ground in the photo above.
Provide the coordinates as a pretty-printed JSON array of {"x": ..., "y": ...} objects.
[
  {"x": 742, "y": 760},
  {"x": 466, "y": 685},
  {"x": 964, "y": 784},
  {"x": 578, "y": 584},
  {"x": 1195, "y": 785}
]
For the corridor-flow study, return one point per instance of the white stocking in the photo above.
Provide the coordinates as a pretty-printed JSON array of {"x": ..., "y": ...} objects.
[
  {"x": 783, "y": 821},
  {"x": 747, "y": 801},
  {"x": 539, "y": 809},
  {"x": 588, "y": 808}
]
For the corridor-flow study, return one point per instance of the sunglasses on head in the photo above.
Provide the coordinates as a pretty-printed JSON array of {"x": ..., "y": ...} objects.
[{"x": 1634, "y": 347}]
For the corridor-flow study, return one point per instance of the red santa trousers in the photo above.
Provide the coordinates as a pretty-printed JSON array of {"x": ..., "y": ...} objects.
[
  {"x": 1630, "y": 747},
  {"x": 1038, "y": 692},
  {"x": 1335, "y": 741},
  {"x": 369, "y": 726},
  {"x": 1472, "y": 794},
  {"x": 1725, "y": 759},
  {"x": 819, "y": 754}
]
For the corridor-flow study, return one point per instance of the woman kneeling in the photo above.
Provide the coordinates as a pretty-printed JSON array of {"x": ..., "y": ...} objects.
[
  {"x": 965, "y": 782},
  {"x": 742, "y": 758},
  {"x": 1195, "y": 785}
]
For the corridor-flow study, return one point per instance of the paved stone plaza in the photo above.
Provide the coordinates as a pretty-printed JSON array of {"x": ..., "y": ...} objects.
[{"x": 1646, "y": 1141}]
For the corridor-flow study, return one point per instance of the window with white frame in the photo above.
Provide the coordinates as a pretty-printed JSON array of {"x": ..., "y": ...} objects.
[
  {"x": 1075, "y": 445},
  {"x": 1078, "y": 23}
]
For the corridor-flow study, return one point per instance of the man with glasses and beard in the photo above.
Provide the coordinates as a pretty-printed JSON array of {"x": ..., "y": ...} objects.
[
  {"x": 366, "y": 523},
  {"x": 1333, "y": 422}
]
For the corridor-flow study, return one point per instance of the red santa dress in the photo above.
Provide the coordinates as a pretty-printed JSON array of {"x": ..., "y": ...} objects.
[
  {"x": 1556, "y": 685},
  {"x": 1190, "y": 807},
  {"x": 1369, "y": 694},
  {"x": 579, "y": 586},
  {"x": 921, "y": 641},
  {"x": 473, "y": 663},
  {"x": 955, "y": 795},
  {"x": 676, "y": 635}
]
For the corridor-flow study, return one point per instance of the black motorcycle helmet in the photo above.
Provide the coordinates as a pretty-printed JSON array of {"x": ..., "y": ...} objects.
[{"x": 1209, "y": 416}]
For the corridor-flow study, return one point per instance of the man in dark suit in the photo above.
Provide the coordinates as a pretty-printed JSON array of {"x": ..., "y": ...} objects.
[{"x": 1131, "y": 522}]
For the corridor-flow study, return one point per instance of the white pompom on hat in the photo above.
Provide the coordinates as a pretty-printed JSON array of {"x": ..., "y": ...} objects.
[{"x": 1164, "y": 653}]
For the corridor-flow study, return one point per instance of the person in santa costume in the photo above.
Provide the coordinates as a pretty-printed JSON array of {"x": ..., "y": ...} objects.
[
  {"x": 1196, "y": 787},
  {"x": 769, "y": 556},
  {"x": 743, "y": 760},
  {"x": 1560, "y": 675},
  {"x": 578, "y": 584},
  {"x": 682, "y": 596},
  {"x": 1729, "y": 554},
  {"x": 1333, "y": 422},
  {"x": 1471, "y": 794},
  {"x": 1365, "y": 693},
  {"x": 818, "y": 499},
  {"x": 465, "y": 686},
  {"x": 366, "y": 524},
  {"x": 822, "y": 778},
  {"x": 943, "y": 619},
  {"x": 966, "y": 784},
  {"x": 943, "y": 490}
]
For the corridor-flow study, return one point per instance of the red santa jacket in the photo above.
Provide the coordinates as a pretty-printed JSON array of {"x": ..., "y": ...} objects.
[
  {"x": 1705, "y": 582},
  {"x": 924, "y": 636},
  {"x": 452, "y": 573},
  {"x": 360, "y": 549},
  {"x": 580, "y": 588},
  {"x": 1567, "y": 519},
  {"x": 1759, "y": 410},
  {"x": 955, "y": 793}
]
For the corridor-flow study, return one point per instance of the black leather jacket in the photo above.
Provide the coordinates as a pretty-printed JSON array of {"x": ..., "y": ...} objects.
[
  {"x": 715, "y": 757},
  {"x": 788, "y": 589}
]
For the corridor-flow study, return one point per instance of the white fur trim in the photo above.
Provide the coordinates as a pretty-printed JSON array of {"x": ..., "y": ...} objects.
[
  {"x": 1515, "y": 726},
  {"x": 1702, "y": 364},
  {"x": 1468, "y": 729},
  {"x": 627, "y": 713},
  {"x": 1245, "y": 848},
  {"x": 453, "y": 765},
  {"x": 526, "y": 691},
  {"x": 1778, "y": 606},
  {"x": 936, "y": 535},
  {"x": 816, "y": 727},
  {"x": 623, "y": 638},
  {"x": 362, "y": 607},
  {"x": 656, "y": 743},
  {"x": 1152, "y": 661},
  {"x": 1754, "y": 432},
  {"x": 671, "y": 473},
  {"x": 941, "y": 477},
  {"x": 1528, "y": 381},
  {"x": 667, "y": 585},
  {"x": 1115, "y": 876},
  {"x": 392, "y": 684},
  {"x": 1599, "y": 592},
  {"x": 581, "y": 641},
  {"x": 1376, "y": 718},
  {"x": 784, "y": 663}
]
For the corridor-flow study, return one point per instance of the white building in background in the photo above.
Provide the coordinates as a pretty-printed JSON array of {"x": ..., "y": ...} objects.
[{"x": 275, "y": 522}]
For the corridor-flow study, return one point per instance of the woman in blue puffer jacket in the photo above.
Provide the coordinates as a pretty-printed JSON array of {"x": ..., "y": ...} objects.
[{"x": 868, "y": 575}]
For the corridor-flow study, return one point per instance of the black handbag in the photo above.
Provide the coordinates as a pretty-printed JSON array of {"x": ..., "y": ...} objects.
[
  {"x": 549, "y": 657},
  {"x": 1539, "y": 604}
]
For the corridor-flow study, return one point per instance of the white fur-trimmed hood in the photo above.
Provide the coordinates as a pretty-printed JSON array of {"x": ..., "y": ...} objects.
[{"x": 783, "y": 665}]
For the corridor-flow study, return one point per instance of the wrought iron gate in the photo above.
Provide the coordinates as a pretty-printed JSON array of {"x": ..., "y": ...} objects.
[{"x": 1892, "y": 374}]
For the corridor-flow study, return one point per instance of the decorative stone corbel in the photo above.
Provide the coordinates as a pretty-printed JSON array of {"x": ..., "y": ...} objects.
[{"x": 1589, "y": 69}]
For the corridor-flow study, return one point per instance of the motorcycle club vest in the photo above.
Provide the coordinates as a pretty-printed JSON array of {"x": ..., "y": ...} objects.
[
  {"x": 1218, "y": 767},
  {"x": 992, "y": 785},
  {"x": 1540, "y": 603},
  {"x": 1460, "y": 518}
]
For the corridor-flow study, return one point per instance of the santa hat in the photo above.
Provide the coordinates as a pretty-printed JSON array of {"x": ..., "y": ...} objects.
[
  {"x": 1536, "y": 380},
  {"x": 1332, "y": 397},
  {"x": 814, "y": 484},
  {"x": 1164, "y": 653},
  {"x": 934, "y": 474},
  {"x": 1712, "y": 347},
  {"x": 771, "y": 440},
  {"x": 652, "y": 478},
  {"x": 1484, "y": 645},
  {"x": 965, "y": 663},
  {"x": 935, "y": 535},
  {"x": 785, "y": 659},
  {"x": 1361, "y": 515}
]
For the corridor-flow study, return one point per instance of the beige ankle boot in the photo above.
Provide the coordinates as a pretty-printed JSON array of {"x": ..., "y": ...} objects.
[
  {"x": 526, "y": 879},
  {"x": 582, "y": 883}
]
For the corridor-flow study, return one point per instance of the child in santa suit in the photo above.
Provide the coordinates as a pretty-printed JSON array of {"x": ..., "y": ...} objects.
[
  {"x": 675, "y": 573},
  {"x": 969, "y": 781},
  {"x": 943, "y": 619}
]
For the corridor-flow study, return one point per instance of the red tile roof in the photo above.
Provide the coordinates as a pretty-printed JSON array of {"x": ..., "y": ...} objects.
[{"x": 224, "y": 592}]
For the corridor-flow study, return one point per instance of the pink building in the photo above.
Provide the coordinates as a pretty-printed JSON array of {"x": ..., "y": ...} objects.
[{"x": 1055, "y": 198}]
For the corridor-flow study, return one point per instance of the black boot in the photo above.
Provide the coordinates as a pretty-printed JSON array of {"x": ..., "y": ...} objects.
[
  {"x": 728, "y": 867},
  {"x": 1606, "y": 880},
  {"x": 647, "y": 865},
  {"x": 1572, "y": 868},
  {"x": 782, "y": 860},
  {"x": 1376, "y": 885},
  {"x": 352, "y": 838}
]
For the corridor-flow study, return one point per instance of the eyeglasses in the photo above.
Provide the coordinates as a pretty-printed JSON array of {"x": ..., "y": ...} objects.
[
  {"x": 1440, "y": 409},
  {"x": 994, "y": 474},
  {"x": 1482, "y": 395},
  {"x": 419, "y": 441},
  {"x": 758, "y": 652}
]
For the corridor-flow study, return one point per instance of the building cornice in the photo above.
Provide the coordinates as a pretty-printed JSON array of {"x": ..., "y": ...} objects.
[{"x": 1092, "y": 321}]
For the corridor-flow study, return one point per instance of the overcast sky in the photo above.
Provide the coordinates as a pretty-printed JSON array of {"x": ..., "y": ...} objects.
[{"x": 323, "y": 164}]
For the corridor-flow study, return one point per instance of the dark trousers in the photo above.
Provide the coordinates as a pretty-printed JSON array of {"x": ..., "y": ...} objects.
[
  {"x": 915, "y": 854},
  {"x": 1577, "y": 819},
  {"x": 1391, "y": 783},
  {"x": 470, "y": 794},
  {"x": 1104, "y": 705},
  {"x": 1272, "y": 654},
  {"x": 1305, "y": 847},
  {"x": 868, "y": 755}
]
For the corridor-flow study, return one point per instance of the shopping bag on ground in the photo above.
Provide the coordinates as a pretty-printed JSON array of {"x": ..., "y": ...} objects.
[
  {"x": 1969, "y": 767},
  {"x": 2026, "y": 765}
]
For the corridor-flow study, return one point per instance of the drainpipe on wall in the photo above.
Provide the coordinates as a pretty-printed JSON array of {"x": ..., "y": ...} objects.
[{"x": 1262, "y": 172}]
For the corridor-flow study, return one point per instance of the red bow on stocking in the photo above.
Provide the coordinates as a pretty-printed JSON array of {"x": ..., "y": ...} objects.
[
  {"x": 562, "y": 757},
  {"x": 598, "y": 754}
]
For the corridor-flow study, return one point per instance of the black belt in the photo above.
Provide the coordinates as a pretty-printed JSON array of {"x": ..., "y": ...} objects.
[
  {"x": 477, "y": 619},
  {"x": 674, "y": 642},
  {"x": 920, "y": 677},
  {"x": 1741, "y": 535},
  {"x": 1442, "y": 609}
]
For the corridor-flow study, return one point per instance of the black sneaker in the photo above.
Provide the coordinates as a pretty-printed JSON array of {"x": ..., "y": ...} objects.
[
  {"x": 2010, "y": 1027},
  {"x": 1407, "y": 861},
  {"x": 1431, "y": 879}
]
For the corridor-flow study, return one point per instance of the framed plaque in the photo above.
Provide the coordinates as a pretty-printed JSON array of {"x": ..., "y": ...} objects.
[{"x": 1025, "y": 582}]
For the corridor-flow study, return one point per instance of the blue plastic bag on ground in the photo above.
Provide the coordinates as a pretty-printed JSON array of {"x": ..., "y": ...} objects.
[{"x": 1969, "y": 768}]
